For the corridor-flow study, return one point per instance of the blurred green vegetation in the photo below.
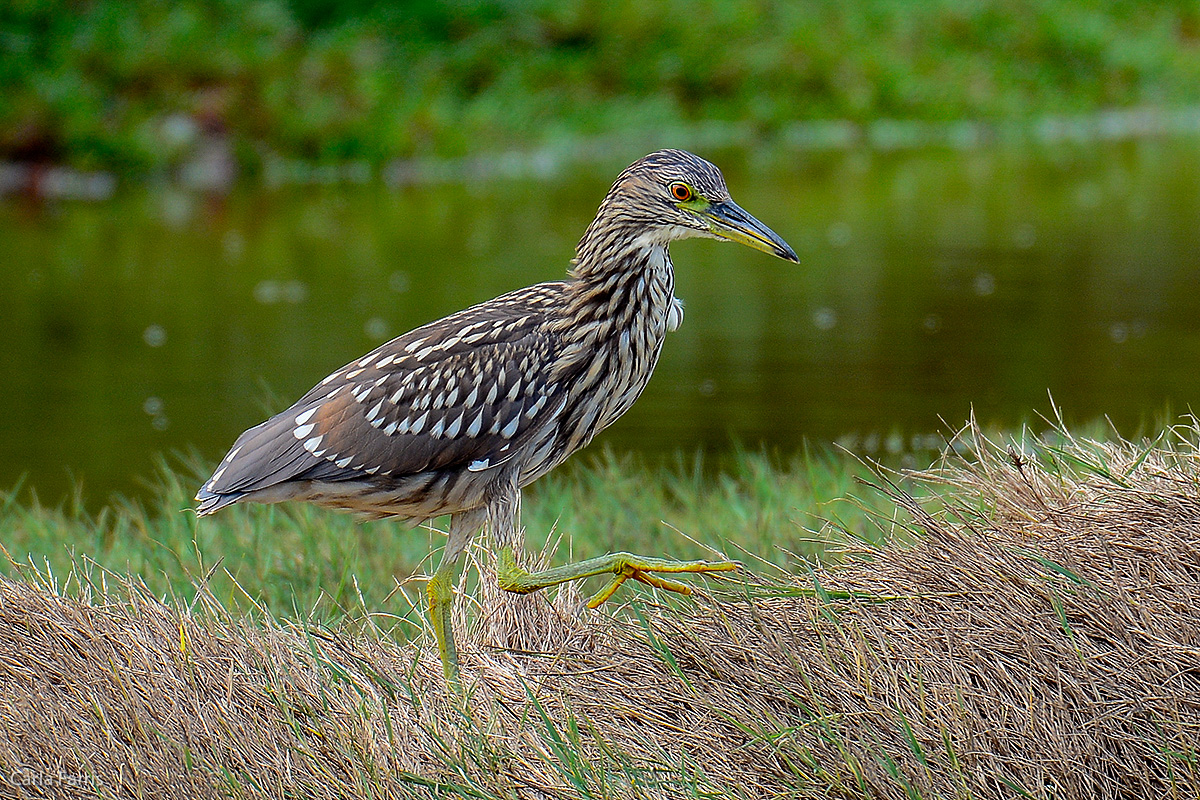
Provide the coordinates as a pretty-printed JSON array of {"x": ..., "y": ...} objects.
[{"x": 130, "y": 84}]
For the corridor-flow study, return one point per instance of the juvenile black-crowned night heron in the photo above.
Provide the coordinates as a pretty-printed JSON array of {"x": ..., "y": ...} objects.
[{"x": 457, "y": 416}]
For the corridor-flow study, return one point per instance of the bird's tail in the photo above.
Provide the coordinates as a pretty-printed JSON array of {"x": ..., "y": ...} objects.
[{"x": 215, "y": 501}]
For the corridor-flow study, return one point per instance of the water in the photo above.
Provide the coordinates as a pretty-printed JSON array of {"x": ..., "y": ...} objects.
[{"x": 931, "y": 283}]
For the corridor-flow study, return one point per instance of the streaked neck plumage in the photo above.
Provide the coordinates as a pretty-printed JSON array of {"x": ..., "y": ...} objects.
[
  {"x": 618, "y": 280},
  {"x": 620, "y": 306}
]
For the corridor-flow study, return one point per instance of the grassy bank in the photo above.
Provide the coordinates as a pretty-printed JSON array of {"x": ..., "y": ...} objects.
[
  {"x": 143, "y": 86},
  {"x": 302, "y": 562},
  {"x": 1037, "y": 639}
]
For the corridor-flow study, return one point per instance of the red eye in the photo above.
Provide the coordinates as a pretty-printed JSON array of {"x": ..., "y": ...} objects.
[{"x": 681, "y": 192}]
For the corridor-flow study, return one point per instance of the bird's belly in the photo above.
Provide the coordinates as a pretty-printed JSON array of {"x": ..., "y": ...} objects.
[{"x": 412, "y": 497}]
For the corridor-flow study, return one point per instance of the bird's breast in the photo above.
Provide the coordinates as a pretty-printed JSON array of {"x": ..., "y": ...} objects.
[{"x": 609, "y": 357}]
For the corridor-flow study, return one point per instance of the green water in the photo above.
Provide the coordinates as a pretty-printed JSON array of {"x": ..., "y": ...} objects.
[{"x": 930, "y": 283}]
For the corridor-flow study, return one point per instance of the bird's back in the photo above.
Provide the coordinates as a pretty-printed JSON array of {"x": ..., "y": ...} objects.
[{"x": 432, "y": 413}]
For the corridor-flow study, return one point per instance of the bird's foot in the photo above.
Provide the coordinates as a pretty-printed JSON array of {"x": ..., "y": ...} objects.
[{"x": 622, "y": 566}]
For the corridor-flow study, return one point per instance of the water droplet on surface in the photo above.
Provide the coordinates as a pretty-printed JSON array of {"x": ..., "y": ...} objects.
[
  {"x": 985, "y": 284},
  {"x": 824, "y": 318},
  {"x": 155, "y": 335},
  {"x": 399, "y": 281},
  {"x": 294, "y": 292},
  {"x": 267, "y": 292},
  {"x": 921, "y": 442},
  {"x": 839, "y": 234},
  {"x": 376, "y": 328}
]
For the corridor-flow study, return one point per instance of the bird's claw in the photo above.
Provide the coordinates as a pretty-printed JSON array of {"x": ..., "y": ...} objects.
[{"x": 628, "y": 571}]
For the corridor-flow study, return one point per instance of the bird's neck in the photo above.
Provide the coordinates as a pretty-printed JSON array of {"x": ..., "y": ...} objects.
[
  {"x": 619, "y": 289},
  {"x": 610, "y": 331}
]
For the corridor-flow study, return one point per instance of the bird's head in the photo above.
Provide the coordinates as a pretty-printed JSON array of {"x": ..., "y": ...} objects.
[{"x": 673, "y": 195}]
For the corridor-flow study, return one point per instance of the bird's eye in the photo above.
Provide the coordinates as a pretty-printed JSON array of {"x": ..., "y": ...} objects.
[{"x": 682, "y": 192}]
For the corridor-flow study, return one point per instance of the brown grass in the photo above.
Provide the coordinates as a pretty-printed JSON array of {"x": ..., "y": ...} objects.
[{"x": 1041, "y": 639}]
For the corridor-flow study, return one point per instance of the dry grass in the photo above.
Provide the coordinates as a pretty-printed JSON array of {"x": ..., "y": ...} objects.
[{"x": 1042, "y": 639}]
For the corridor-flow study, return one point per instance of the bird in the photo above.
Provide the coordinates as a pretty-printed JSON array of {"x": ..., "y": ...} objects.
[{"x": 456, "y": 417}]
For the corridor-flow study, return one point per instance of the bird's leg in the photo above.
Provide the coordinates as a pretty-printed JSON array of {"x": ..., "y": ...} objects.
[
  {"x": 504, "y": 520},
  {"x": 622, "y": 566},
  {"x": 441, "y": 590}
]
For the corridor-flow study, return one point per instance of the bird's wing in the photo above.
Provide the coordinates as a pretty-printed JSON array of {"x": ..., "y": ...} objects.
[{"x": 461, "y": 393}]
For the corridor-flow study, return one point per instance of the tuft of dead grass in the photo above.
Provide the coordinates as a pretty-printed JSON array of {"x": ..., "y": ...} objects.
[{"x": 1040, "y": 639}]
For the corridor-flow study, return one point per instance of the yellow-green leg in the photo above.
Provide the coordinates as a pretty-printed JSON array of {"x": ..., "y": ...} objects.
[
  {"x": 440, "y": 590},
  {"x": 622, "y": 566},
  {"x": 441, "y": 599}
]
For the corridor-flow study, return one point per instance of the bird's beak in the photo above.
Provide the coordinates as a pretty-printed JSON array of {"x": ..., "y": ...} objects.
[{"x": 728, "y": 220}]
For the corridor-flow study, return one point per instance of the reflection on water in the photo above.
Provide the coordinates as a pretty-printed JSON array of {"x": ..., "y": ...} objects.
[{"x": 930, "y": 282}]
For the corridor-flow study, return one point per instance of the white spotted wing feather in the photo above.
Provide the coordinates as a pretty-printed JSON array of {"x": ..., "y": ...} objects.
[{"x": 463, "y": 393}]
